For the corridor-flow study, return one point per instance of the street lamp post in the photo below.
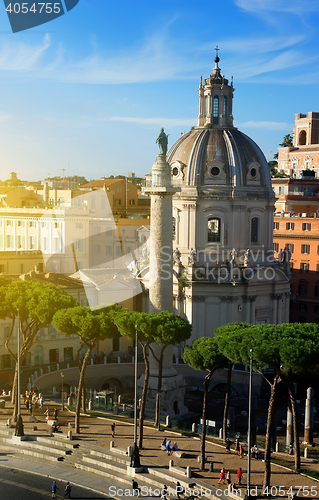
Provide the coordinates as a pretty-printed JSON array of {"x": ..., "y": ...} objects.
[
  {"x": 19, "y": 425},
  {"x": 62, "y": 405},
  {"x": 159, "y": 411},
  {"x": 249, "y": 422},
  {"x": 135, "y": 457}
]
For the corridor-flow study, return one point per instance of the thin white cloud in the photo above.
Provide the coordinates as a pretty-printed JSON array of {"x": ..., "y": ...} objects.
[
  {"x": 21, "y": 56},
  {"x": 264, "y": 125},
  {"x": 255, "y": 45},
  {"x": 162, "y": 122},
  {"x": 289, "y": 59},
  {"x": 293, "y": 6}
]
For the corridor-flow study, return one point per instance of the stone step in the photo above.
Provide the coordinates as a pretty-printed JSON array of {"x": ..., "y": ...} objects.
[{"x": 21, "y": 449}]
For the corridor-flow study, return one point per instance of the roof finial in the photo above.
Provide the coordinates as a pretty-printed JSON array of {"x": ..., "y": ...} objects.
[
  {"x": 216, "y": 58},
  {"x": 201, "y": 81}
]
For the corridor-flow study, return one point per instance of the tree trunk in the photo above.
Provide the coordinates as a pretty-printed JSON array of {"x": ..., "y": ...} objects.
[
  {"x": 80, "y": 388},
  {"x": 144, "y": 395},
  {"x": 203, "y": 437},
  {"x": 227, "y": 398},
  {"x": 295, "y": 424},
  {"x": 271, "y": 409}
]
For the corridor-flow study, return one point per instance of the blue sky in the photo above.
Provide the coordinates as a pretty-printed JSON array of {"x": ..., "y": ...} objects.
[{"x": 89, "y": 91}]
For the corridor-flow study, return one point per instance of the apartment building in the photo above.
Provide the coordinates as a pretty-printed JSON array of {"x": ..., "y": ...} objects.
[{"x": 299, "y": 233}]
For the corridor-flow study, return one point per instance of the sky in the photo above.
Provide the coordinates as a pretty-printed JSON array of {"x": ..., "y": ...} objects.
[{"x": 88, "y": 92}]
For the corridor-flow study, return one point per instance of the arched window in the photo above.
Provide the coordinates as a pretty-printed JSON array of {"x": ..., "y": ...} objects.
[
  {"x": 215, "y": 110},
  {"x": 206, "y": 105},
  {"x": 254, "y": 230},
  {"x": 213, "y": 230},
  {"x": 225, "y": 106},
  {"x": 302, "y": 138}
]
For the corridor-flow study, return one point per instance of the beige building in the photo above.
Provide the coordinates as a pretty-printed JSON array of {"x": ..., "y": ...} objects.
[{"x": 304, "y": 155}]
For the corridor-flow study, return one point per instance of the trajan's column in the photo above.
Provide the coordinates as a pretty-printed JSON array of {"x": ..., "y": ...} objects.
[{"x": 161, "y": 279}]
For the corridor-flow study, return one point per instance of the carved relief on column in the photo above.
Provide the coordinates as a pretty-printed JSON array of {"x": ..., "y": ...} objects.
[
  {"x": 228, "y": 298},
  {"x": 196, "y": 298},
  {"x": 249, "y": 298}
]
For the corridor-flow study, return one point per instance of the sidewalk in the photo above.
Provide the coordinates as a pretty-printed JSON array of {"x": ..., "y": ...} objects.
[{"x": 98, "y": 432}]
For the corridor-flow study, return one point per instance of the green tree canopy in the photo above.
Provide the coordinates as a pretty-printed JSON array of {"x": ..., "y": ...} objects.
[
  {"x": 35, "y": 304},
  {"x": 287, "y": 141},
  {"x": 287, "y": 348}
]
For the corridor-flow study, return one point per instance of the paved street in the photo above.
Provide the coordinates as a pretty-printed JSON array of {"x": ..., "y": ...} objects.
[{"x": 16, "y": 484}]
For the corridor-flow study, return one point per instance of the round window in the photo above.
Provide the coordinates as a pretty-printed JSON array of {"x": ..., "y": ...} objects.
[
  {"x": 253, "y": 172},
  {"x": 175, "y": 171},
  {"x": 119, "y": 190},
  {"x": 215, "y": 171}
]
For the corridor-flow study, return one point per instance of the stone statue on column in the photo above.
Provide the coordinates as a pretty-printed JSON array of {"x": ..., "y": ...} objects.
[
  {"x": 233, "y": 256},
  {"x": 177, "y": 256},
  {"x": 162, "y": 142},
  {"x": 247, "y": 258},
  {"x": 192, "y": 257}
]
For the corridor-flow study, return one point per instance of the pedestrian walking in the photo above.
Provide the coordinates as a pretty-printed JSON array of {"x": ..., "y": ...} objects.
[
  {"x": 241, "y": 451},
  {"x": 135, "y": 488},
  {"x": 227, "y": 443},
  {"x": 113, "y": 429},
  {"x": 67, "y": 491},
  {"x": 252, "y": 452},
  {"x": 47, "y": 413},
  {"x": 222, "y": 476},
  {"x": 237, "y": 447},
  {"x": 256, "y": 452},
  {"x": 168, "y": 447},
  {"x": 164, "y": 492},
  {"x": 55, "y": 413},
  {"x": 228, "y": 477},
  {"x": 179, "y": 489},
  {"x": 291, "y": 448},
  {"x": 30, "y": 407},
  {"x": 239, "y": 475},
  {"x": 54, "y": 489}
]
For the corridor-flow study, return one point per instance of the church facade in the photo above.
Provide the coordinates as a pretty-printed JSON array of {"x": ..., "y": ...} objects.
[{"x": 223, "y": 213}]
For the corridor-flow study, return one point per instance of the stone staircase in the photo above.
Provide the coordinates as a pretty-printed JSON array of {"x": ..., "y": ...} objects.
[{"x": 96, "y": 460}]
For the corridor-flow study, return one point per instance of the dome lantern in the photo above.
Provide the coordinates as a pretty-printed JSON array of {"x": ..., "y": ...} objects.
[{"x": 215, "y": 99}]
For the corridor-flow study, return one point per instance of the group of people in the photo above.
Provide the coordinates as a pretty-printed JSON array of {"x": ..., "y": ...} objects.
[
  {"x": 226, "y": 476},
  {"x": 33, "y": 399},
  {"x": 167, "y": 444},
  {"x": 67, "y": 489}
]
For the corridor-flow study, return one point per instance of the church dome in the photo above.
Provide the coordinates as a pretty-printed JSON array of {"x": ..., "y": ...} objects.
[
  {"x": 215, "y": 153},
  {"x": 218, "y": 156}
]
